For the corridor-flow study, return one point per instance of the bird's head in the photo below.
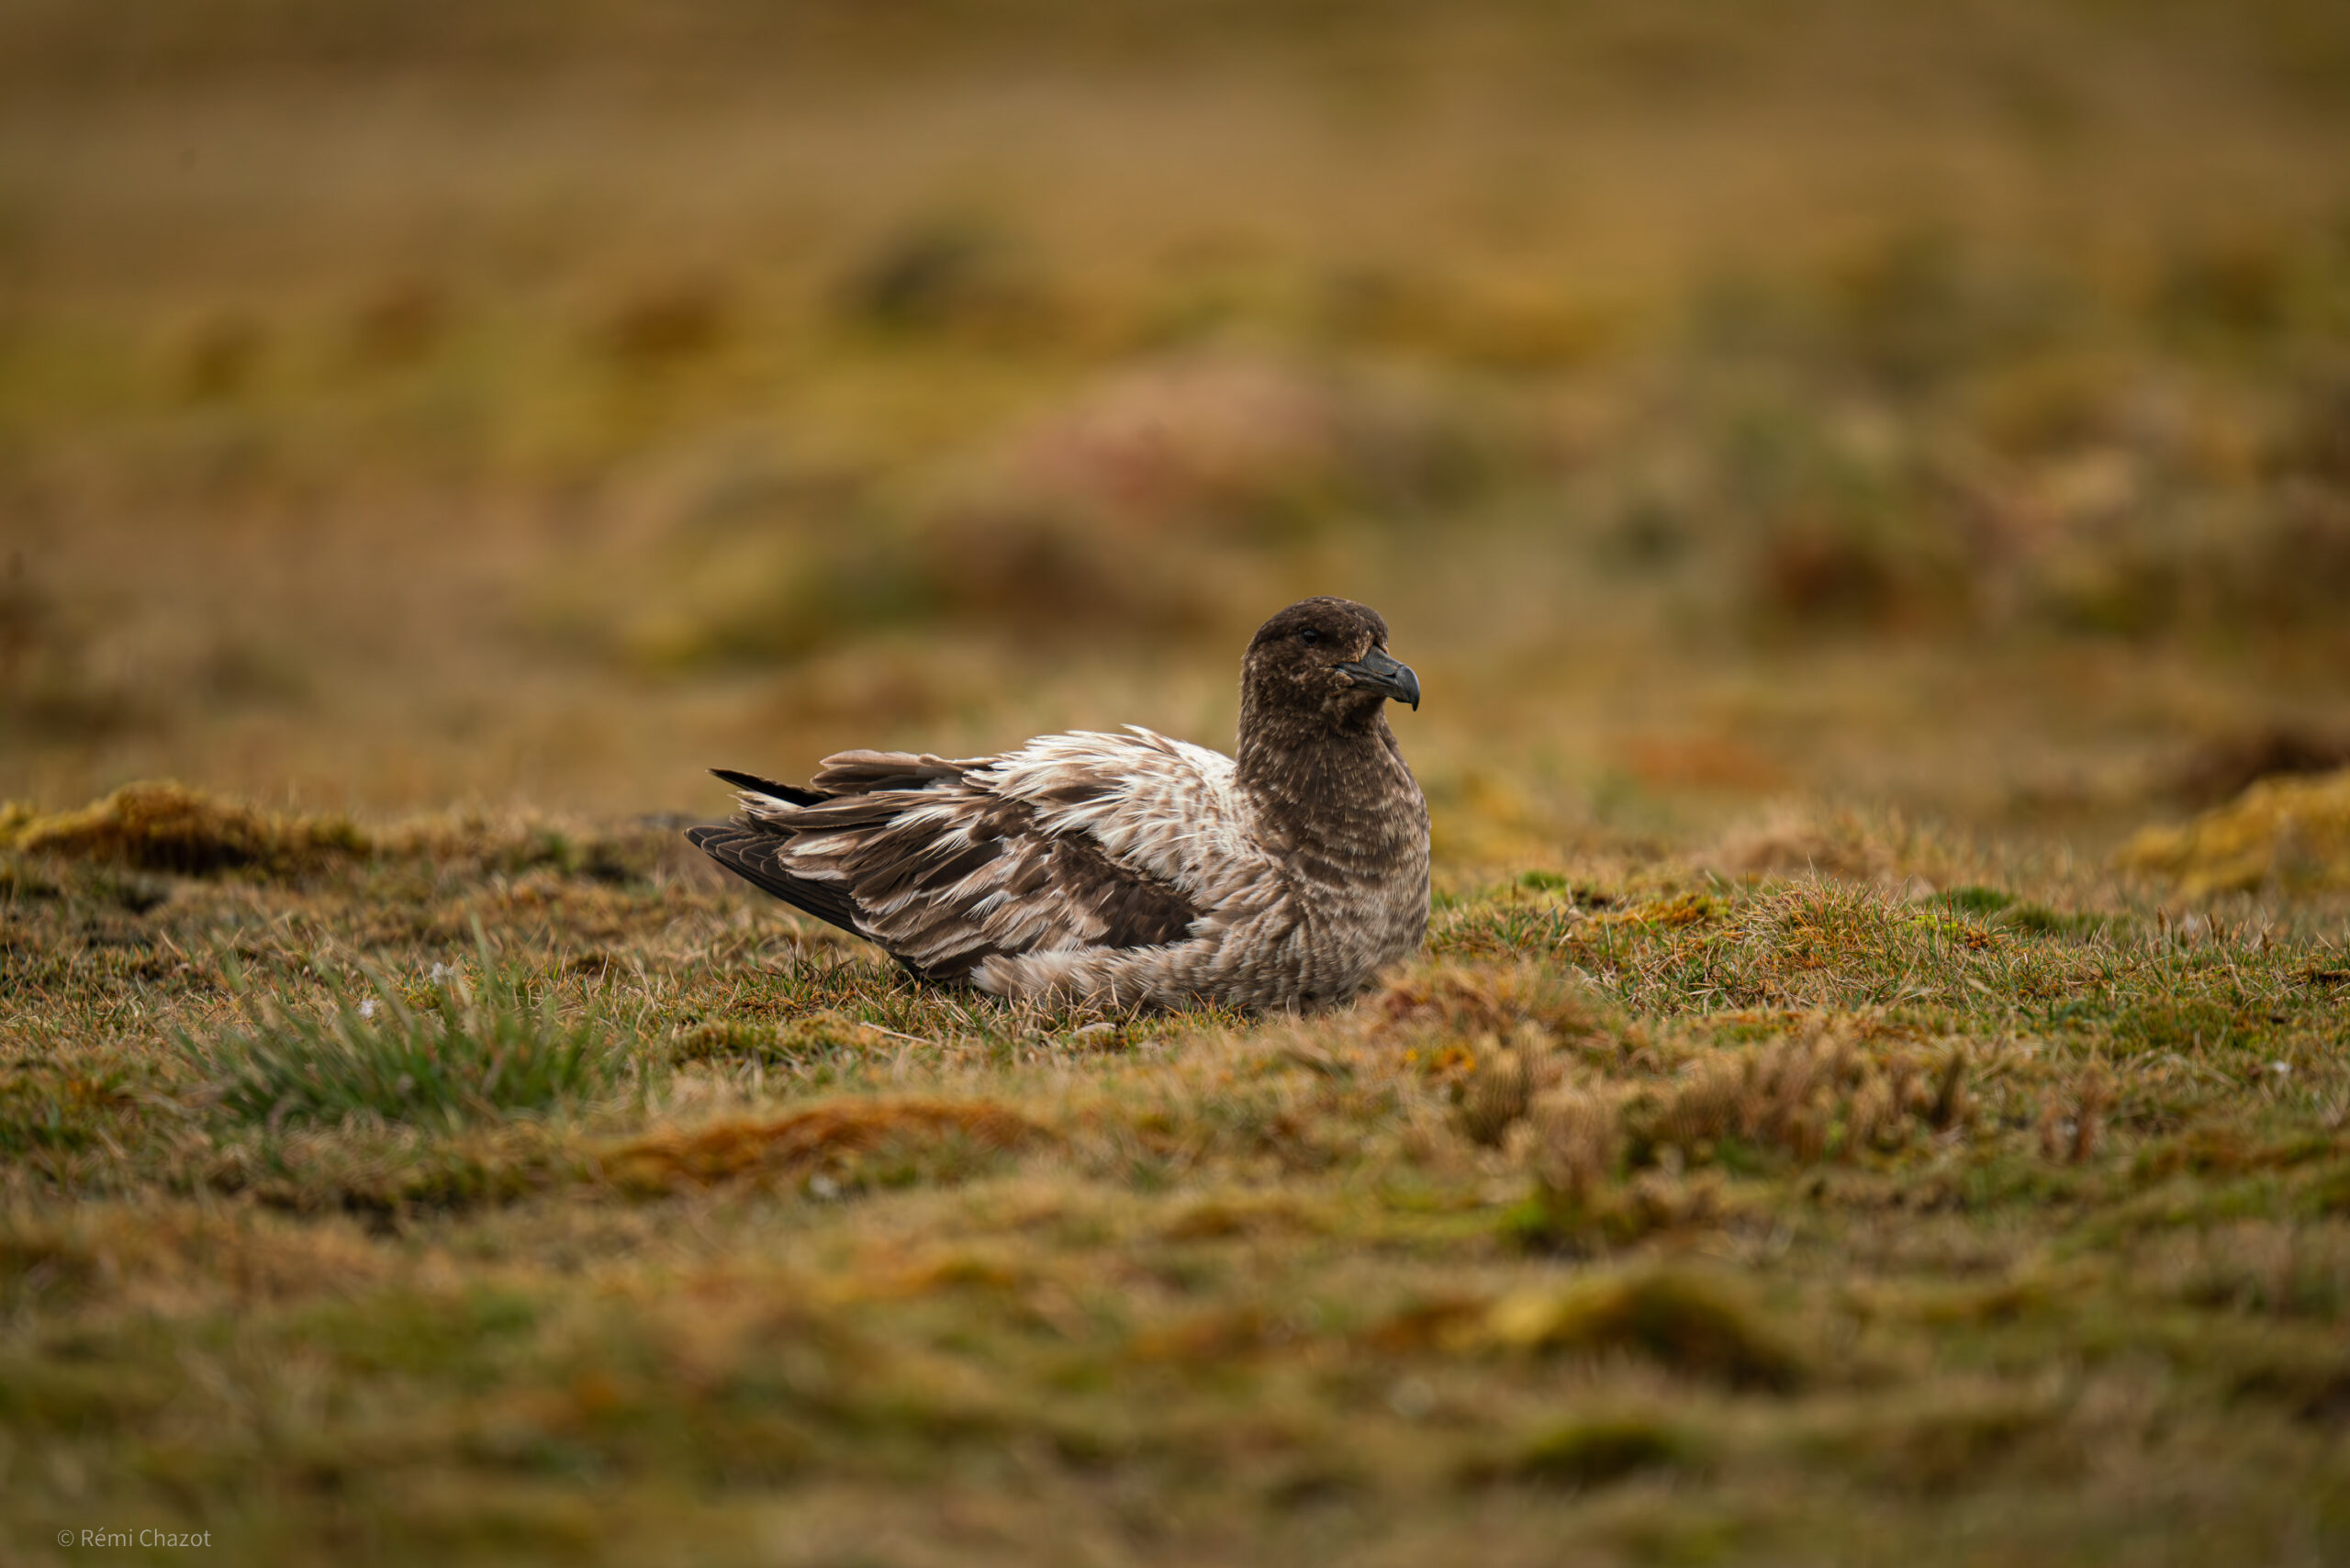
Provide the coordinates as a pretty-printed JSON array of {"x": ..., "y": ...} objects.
[{"x": 1323, "y": 661}]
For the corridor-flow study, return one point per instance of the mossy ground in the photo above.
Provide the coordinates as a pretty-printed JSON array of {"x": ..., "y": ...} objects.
[
  {"x": 1840, "y": 470},
  {"x": 1653, "y": 1217}
]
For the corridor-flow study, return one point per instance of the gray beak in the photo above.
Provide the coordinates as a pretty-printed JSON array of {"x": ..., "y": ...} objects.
[{"x": 1382, "y": 672}]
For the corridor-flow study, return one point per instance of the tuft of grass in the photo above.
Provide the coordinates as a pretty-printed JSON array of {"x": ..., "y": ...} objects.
[
  {"x": 165, "y": 826},
  {"x": 1691, "y": 1322},
  {"x": 467, "y": 1052},
  {"x": 2288, "y": 831}
]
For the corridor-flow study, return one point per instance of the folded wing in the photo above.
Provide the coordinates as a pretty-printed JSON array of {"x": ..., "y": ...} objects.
[{"x": 1073, "y": 841}]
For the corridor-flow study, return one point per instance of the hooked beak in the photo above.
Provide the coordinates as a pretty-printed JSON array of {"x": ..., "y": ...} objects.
[{"x": 1382, "y": 672}]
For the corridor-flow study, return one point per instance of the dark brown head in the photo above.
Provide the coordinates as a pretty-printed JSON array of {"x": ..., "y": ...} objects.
[{"x": 1323, "y": 663}]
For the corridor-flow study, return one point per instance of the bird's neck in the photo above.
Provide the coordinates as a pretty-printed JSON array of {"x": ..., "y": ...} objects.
[{"x": 1315, "y": 786}]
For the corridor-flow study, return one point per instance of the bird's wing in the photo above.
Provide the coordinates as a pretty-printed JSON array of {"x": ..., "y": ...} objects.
[
  {"x": 1073, "y": 840},
  {"x": 1165, "y": 809}
]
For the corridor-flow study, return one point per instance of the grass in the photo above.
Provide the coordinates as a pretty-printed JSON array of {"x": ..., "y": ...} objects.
[
  {"x": 168, "y": 827},
  {"x": 1845, "y": 474},
  {"x": 466, "y": 1050},
  {"x": 1786, "y": 1219}
]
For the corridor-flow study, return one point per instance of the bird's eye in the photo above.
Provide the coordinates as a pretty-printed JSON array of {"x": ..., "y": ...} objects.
[{"x": 1309, "y": 636}]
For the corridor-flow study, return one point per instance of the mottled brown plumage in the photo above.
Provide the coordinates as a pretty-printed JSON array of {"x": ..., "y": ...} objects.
[{"x": 1131, "y": 870}]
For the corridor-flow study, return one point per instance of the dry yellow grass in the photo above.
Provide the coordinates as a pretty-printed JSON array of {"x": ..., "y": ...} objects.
[
  {"x": 169, "y": 827},
  {"x": 2288, "y": 833}
]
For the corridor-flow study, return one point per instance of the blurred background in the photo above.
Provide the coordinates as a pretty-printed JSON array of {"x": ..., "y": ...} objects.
[{"x": 1943, "y": 407}]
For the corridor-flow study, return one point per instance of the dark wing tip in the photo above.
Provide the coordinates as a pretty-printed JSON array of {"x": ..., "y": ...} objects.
[
  {"x": 748, "y": 850},
  {"x": 758, "y": 786}
]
